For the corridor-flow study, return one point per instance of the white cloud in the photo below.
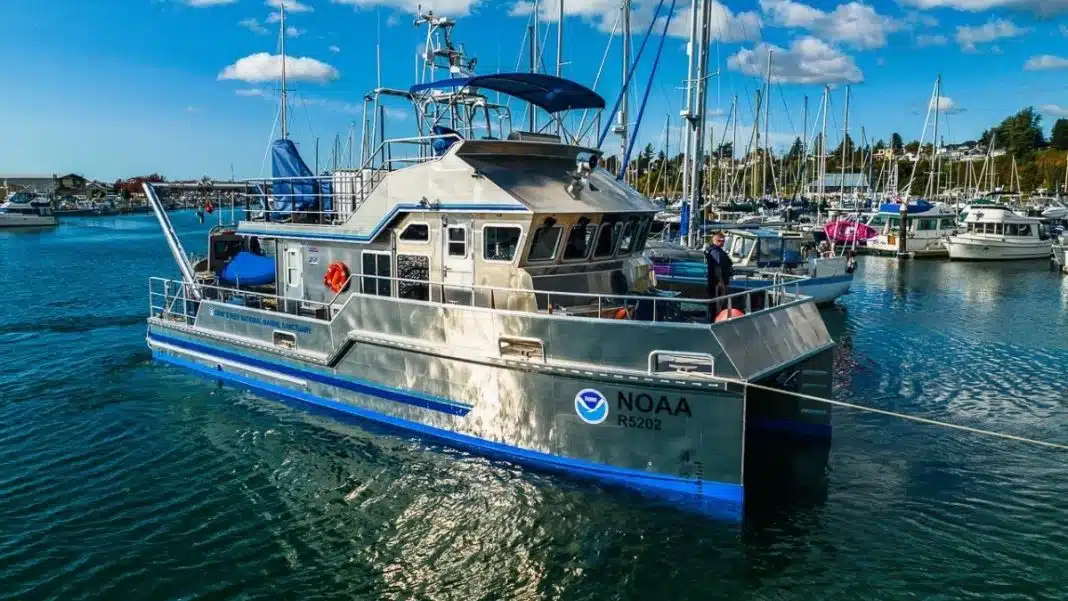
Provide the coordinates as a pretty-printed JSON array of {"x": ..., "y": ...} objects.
[
  {"x": 250, "y": 92},
  {"x": 1045, "y": 62},
  {"x": 1054, "y": 110},
  {"x": 263, "y": 67},
  {"x": 295, "y": 32},
  {"x": 335, "y": 49},
  {"x": 808, "y": 61},
  {"x": 1045, "y": 8},
  {"x": 274, "y": 18},
  {"x": 203, "y": 3},
  {"x": 451, "y": 8},
  {"x": 1064, "y": 29},
  {"x": 726, "y": 26},
  {"x": 945, "y": 104},
  {"x": 292, "y": 6},
  {"x": 925, "y": 40},
  {"x": 191, "y": 109},
  {"x": 854, "y": 23},
  {"x": 995, "y": 29},
  {"x": 253, "y": 25}
]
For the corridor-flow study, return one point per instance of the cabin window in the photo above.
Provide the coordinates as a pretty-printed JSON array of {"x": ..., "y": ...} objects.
[
  {"x": 791, "y": 250},
  {"x": 416, "y": 232},
  {"x": 544, "y": 242},
  {"x": 877, "y": 221},
  {"x": 947, "y": 223},
  {"x": 412, "y": 272},
  {"x": 579, "y": 242},
  {"x": 606, "y": 241},
  {"x": 1025, "y": 229},
  {"x": 376, "y": 271},
  {"x": 741, "y": 247},
  {"x": 769, "y": 250},
  {"x": 626, "y": 241},
  {"x": 457, "y": 241},
  {"x": 895, "y": 223},
  {"x": 1011, "y": 229},
  {"x": 499, "y": 242},
  {"x": 927, "y": 225},
  {"x": 643, "y": 235}
]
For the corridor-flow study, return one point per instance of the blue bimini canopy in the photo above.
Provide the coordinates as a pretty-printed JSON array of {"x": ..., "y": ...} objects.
[
  {"x": 548, "y": 92},
  {"x": 294, "y": 193},
  {"x": 248, "y": 269}
]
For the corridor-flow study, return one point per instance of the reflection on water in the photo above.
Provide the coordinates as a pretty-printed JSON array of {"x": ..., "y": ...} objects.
[{"x": 124, "y": 479}]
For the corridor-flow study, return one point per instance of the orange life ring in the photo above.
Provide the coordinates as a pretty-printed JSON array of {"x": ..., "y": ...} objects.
[
  {"x": 337, "y": 277},
  {"x": 622, "y": 313}
]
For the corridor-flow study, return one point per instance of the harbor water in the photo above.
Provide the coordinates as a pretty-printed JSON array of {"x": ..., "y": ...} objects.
[{"x": 121, "y": 478}]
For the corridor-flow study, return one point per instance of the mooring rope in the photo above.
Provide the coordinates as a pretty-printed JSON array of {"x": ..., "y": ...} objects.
[{"x": 904, "y": 416}]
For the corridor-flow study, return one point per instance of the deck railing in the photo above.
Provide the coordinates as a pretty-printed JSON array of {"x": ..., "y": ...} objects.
[
  {"x": 177, "y": 301},
  {"x": 344, "y": 189}
]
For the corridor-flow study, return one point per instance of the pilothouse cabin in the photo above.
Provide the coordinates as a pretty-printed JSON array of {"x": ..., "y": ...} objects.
[{"x": 462, "y": 217}]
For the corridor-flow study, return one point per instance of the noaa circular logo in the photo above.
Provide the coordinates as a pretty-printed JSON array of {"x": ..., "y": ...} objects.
[{"x": 591, "y": 406}]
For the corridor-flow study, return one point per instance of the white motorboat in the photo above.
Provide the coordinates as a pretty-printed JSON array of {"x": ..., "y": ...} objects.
[
  {"x": 1059, "y": 252},
  {"x": 996, "y": 233},
  {"x": 1055, "y": 210},
  {"x": 928, "y": 225},
  {"x": 24, "y": 209}
]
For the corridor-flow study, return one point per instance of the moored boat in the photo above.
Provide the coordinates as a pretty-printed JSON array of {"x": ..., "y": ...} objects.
[
  {"x": 760, "y": 256},
  {"x": 23, "y": 209},
  {"x": 997, "y": 233},
  {"x": 492, "y": 293},
  {"x": 928, "y": 225}
]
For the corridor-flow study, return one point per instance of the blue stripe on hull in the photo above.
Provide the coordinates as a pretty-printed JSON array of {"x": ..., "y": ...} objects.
[
  {"x": 721, "y": 499},
  {"x": 351, "y": 384}
]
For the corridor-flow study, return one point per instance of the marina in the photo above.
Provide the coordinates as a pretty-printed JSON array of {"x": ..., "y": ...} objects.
[
  {"x": 502, "y": 339},
  {"x": 350, "y": 499}
]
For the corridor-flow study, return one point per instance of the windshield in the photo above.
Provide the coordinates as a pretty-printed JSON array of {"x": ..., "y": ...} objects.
[{"x": 769, "y": 250}]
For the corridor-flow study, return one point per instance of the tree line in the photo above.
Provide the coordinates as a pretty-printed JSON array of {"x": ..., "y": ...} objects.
[{"x": 1040, "y": 162}]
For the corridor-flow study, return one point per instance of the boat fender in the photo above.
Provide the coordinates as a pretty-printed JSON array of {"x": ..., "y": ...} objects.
[
  {"x": 337, "y": 277},
  {"x": 622, "y": 313},
  {"x": 731, "y": 313}
]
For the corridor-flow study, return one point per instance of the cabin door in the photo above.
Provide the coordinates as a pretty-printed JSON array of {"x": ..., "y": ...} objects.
[
  {"x": 458, "y": 261},
  {"x": 292, "y": 270}
]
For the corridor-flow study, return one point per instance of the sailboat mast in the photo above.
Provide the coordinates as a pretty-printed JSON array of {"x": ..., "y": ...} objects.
[
  {"x": 734, "y": 143},
  {"x": 767, "y": 143},
  {"x": 845, "y": 138},
  {"x": 285, "y": 117},
  {"x": 804, "y": 147},
  {"x": 624, "y": 110},
  {"x": 559, "y": 38},
  {"x": 935, "y": 146},
  {"x": 823, "y": 145}
]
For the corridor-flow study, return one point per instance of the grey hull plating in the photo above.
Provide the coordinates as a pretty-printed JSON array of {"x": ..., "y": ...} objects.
[{"x": 440, "y": 371}]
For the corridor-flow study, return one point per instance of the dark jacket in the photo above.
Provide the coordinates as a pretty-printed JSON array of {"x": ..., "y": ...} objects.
[{"x": 720, "y": 268}]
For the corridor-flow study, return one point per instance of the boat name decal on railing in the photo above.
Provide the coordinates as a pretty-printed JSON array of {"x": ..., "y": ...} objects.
[{"x": 259, "y": 321}]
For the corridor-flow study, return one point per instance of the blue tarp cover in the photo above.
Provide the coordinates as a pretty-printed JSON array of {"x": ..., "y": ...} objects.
[
  {"x": 248, "y": 269},
  {"x": 551, "y": 93},
  {"x": 295, "y": 194},
  {"x": 920, "y": 206}
]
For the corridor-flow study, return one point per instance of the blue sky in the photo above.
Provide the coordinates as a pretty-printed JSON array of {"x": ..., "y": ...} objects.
[{"x": 114, "y": 88}]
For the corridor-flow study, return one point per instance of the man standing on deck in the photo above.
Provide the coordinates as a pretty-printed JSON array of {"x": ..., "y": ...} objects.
[{"x": 720, "y": 267}]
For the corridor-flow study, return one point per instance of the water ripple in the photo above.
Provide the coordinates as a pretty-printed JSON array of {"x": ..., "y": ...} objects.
[{"x": 123, "y": 479}]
